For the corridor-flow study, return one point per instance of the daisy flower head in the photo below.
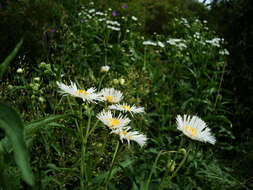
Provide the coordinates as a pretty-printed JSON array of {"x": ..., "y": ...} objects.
[
  {"x": 111, "y": 121},
  {"x": 87, "y": 95},
  {"x": 195, "y": 128},
  {"x": 125, "y": 134},
  {"x": 127, "y": 108},
  {"x": 111, "y": 95}
]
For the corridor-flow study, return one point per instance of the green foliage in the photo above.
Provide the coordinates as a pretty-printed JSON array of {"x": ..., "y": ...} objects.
[
  {"x": 12, "y": 125},
  {"x": 178, "y": 71}
]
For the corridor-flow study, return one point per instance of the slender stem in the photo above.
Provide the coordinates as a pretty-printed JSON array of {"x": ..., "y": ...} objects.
[
  {"x": 155, "y": 163},
  {"x": 112, "y": 163},
  {"x": 100, "y": 82},
  {"x": 145, "y": 59},
  {"x": 181, "y": 163},
  {"x": 221, "y": 80},
  {"x": 153, "y": 168},
  {"x": 84, "y": 156}
]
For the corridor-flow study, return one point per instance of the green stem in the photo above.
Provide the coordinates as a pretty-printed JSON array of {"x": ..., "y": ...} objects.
[
  {"x": 112, "y": 164},
  {"x": 153, "y": 168},
  {"x": 181, "y": 163},
  {"x": 145, "y": 59},
  {"x": 100, "y": 82},
  {"x": 154, "y": 165},
  {"x": 221, "y": 80},
  {"x": 84, "y": 156}
]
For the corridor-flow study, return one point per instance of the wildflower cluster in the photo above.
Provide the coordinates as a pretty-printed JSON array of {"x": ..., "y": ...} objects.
[
  {"x": 118, "y": 124},
  {"x": 193, "y": 37}
]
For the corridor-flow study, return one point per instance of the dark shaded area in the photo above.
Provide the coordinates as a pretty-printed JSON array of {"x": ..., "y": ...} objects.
[
  {"x": 36, "y": 21},
  {"x": 233, "y": 20}
]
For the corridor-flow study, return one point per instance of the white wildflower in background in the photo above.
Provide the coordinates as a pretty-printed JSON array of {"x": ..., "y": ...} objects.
[
  {"x": 101, "y": 19},
  {"x": 174, "y": 41},
  {"x": 92, "y": 10},
  {"x": 125, "y": 134},
  {"x": 149, "y": 43},
  {"x": 104, "y": 69},
  {"x": 114, "y": 23},
  {"x": 111, "y": 121},
  {"x": 134, "y": 18},
  {"x": 160, "y": 44},
  {"x": 111, "y": 95},
  {"x": 224, "y": 52},
  {"x": 179, "y": 43},
  {"x": 215, "y": 42},
  {"x": 127, "y": 108},
  {"x": 87, "y": 95},
  {"x": 36, "y": 79},
  {"x": 113, "y": 28},
  {"x": 99, "y": 13},
  {"x": 195, "y": 128}
]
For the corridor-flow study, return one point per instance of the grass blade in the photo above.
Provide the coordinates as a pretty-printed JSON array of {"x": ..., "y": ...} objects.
[
  {"x": 8, "y": 59},
  {"x": 11, "y": 123}
]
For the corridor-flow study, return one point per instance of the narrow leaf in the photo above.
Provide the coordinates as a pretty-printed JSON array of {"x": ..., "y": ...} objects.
[
  {"x": 8, "y": 59},
  {"x": 12, "y": 124}
]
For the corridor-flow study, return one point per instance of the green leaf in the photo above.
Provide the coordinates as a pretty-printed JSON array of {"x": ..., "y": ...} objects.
[
  {"x": 121, "y": 166},
  {"x": 12, "y": 124},
  {"x": 35, "y": 125},
  {"x": 8, "y": 59}
]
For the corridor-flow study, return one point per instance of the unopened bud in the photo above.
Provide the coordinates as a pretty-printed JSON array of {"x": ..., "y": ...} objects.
[
  {"x": 20, "y": 70},
  {"x": 115, "y": 81},
  {"x": 171, "y": 165},
  {"x": 122, "y": 81}
]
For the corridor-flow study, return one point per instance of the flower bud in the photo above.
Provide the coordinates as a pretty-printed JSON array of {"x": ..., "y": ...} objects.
[
  {"x": 41, "y": 99},
  {"x": 171, "y": 165},
  {"x": 104, "y": 69},
  {"x": 20, "y": 70},
  {"x": 115, "y": 81},
  {"x": 122, "y": 81}
]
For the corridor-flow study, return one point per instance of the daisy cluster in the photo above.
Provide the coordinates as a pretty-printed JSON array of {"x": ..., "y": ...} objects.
[{"x": 118, "y": 124}]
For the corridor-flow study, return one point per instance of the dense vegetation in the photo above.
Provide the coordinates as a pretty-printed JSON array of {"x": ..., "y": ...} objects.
[{"x": 169, "y": 58}]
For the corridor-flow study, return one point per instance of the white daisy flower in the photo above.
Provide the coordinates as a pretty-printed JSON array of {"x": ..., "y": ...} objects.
[
  {"x": 127, "y": 108},
  {"x": 124, "y": 133},
  {"x": 87, "y": 95},
  {"x": 111, "y": 95},
  {"x": 111, "y": 121},
  {"x": 195, "y": 128}
]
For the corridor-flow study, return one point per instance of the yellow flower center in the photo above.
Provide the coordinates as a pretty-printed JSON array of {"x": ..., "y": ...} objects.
[
  {"x": 81, "y": 91},
  {"x": 109, "y": 99},
  {"x": 191, "y": 130},
  {"x": 124, "y": 132},
  {"x": 113, "y": 122},
  {"x": 126, "y": 107}
]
